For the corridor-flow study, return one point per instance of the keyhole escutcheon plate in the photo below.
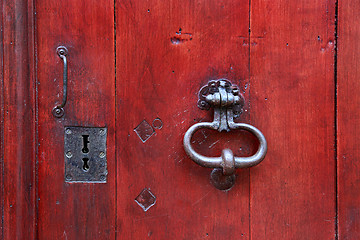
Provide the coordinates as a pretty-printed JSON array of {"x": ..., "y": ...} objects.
[{"x": 85, "y": 154}]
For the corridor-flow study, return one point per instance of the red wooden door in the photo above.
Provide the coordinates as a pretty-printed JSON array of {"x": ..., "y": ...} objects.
[{"x": 135, "y": 68}]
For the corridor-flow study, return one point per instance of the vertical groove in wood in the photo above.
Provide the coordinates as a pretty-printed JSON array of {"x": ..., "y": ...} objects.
[
  {"x": 292, "y": 102},
  {"x": 18, "y": 121},
  {"x": 336, "y": 226},
  {"x": 2, "y": 121},
  {"x": 115, "y": 123}
]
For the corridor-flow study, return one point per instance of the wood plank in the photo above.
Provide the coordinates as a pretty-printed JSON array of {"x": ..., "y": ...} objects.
[
  {"x": 292, "y": 101},
  {"x": 348, "y": 102},
  {"x": 86, "y": 28},
  {"x": 18, "y": 119},
  {"x": 165, "y": 52}
]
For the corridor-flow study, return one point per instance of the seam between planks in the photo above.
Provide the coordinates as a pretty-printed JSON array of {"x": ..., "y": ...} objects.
[
  {"x": 249, "y": 74},
  {"x": 115, "y": 124},
  {"x": 336, "y": 121}
]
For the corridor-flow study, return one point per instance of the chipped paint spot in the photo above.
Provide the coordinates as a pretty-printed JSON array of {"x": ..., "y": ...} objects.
[
  {"x": 146, "y": 199},
  {"x": 180, "y": 37}
]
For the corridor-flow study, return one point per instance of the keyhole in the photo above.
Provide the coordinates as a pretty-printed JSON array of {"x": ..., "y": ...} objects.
[
  {"x": 86, "y": 165},
  {"x": 85, "y": 144}
]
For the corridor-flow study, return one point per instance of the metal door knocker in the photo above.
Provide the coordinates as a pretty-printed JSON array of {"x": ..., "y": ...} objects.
[{"x": 227, "y": 103}]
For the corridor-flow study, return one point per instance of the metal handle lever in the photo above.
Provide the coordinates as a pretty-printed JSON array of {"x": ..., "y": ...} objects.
[
  {"x": 58, "y": 111},
  {"x": 227, "y": 103},
  {"x": 223, "y": 162}
]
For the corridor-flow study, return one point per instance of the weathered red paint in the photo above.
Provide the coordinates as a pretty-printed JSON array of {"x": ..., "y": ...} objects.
[
  {"x": 86, "y": 28},
  {"x": 158, "y": 77},
  {"x": 348, "y": 103},
  {"x": 18, "y": 117},
  {"x": 135, "y": 66},
  {"x": 292, "y": 100}
]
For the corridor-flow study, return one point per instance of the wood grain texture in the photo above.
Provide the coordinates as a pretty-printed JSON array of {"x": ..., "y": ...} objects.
[
  {"x": 165, "y": 52},
  {"x": 18, "y": 119},
  {"x": 86, "y": 28},
  {"x": 348, "y": 120},
  {"x": 292, "y": 101}
]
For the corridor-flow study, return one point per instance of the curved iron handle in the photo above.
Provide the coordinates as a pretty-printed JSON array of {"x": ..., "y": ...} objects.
[
  {"x": 228, "y": 162},
  {"x": 227, "y": 102},
  {"x": 58, "y": 111}
]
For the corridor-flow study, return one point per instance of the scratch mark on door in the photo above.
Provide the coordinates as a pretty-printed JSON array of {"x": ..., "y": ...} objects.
[{"x": 201, "y": 198}]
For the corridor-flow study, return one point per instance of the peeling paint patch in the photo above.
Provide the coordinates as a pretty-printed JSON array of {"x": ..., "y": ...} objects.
[{"x": 180, "y": 37}]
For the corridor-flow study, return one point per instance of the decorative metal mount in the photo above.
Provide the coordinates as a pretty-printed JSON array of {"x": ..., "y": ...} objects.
[
  {"x": 227, "y": 103},
  {"x": 226, "y": 100}
]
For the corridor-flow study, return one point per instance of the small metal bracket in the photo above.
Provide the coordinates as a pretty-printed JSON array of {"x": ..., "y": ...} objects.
[
  {"x": 226, "y": 100},
  {"x": 85, "y": 154}
]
